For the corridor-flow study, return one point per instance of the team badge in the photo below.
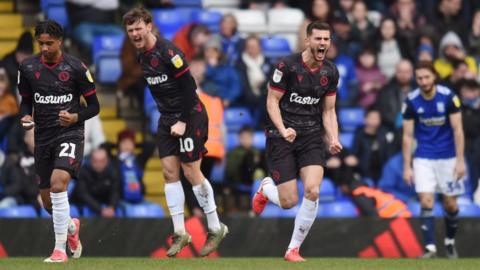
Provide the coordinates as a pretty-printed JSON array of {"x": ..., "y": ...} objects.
[
  {"x": 154, "y": 62},
  {"x": 177, "y": 61},
  {"x": 299, "y": 77},
  {"x": 170, "y": 52},
  {"x": 323, "y": 80},
  {"x": 456, "y": 101},
  {"x": 63, "y": 76},
  {"x": 440, "y": 107},
  {"x": 37, "y": 75},
  {"x": 89, "y": 76},
  {"x": 277, "y": 76}
]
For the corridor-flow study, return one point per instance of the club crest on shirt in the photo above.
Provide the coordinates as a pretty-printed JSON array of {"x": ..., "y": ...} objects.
[
  {"x": 277, "y": 76},
  {"x": 440, "y": 107},
  {"x": 154, "y": 62},
  {"x": 63, "y": 76},
  {"x": 89, "y": 76},
  {"x": 323, "y": 80},
  {"x": 177, "y": 61}
]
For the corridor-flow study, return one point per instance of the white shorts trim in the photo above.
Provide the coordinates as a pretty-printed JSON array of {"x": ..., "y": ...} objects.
[{"x": 436, "y": 176}]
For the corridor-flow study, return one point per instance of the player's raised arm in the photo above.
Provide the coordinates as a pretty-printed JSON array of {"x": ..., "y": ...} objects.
[{"x": 329, "y": 118}]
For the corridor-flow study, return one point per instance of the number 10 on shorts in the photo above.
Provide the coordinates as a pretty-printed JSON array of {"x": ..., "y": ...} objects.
[{"x": 186, "y": 145}]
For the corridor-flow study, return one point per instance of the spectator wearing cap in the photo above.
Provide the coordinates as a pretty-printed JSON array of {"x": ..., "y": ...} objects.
[
  {"x": 220, "y": 73},
  {"x": 451, "y": 49},
  {"x": 425, "y": 52},
  {"x": 12, "y": 60}
]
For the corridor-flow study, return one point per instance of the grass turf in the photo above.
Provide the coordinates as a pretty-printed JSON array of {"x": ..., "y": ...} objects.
[{"x": 239, "y": 263}]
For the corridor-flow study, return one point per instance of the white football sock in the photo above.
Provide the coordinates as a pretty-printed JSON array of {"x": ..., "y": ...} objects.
[
  {"x": 175, "y": 201},
  {"x": 206, "y": 200},
  {"x": 271, "y": 191},
  {"x": 303, "y": 221},
  {"x": 61, "y": 216}
]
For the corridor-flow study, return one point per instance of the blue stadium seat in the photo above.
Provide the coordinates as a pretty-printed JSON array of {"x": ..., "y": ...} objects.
[
  {"x": 237, "y": 117},
  {"x": 20, "y": 211},
  {"x": 414, "y": 208},
  {"x": 169, "y": 21},
  {"x": 44, "y": 4},
  {"x": 341, "y": 209},
  {"x": 188, "y": 3},
  {"x": 350, "y": 118},
  {"x": 327, "y": 190},
  {"x": 275, "y": 47},
  {"x": 259, "y": 140},
  {"x": 109, "y": 69},
  {"x": 273, "y": 211},
  {"x": 469, "y": 210},
  {"x": 4, "y": 144},
  {"x": 144, "y": 210},
  {"x": 74, "y": 212},
  {"x": 346, "y": 139},
  {"x": 218, "y": 173},
  {"x": 231, "y": 140},
  {"x": 106, "y": 45},
  {"x": 58, "y": 13},
  {"x": 87, "y": 212},
  {"x": 209, "y": 18}
]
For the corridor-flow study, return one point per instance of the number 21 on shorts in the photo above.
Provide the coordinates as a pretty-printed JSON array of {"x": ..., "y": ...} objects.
[
  {"x": 68, "y": 150},
  {"x": 186, "y": 144}
]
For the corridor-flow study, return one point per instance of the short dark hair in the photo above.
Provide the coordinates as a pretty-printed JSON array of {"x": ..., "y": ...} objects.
[
  {"x": 136, "y": 14},
  {"x": 49, "y": 27},
  {"x": 319, "y": 26},
  {"x": 470, "y": 84},
  {"x": 426, "y": 65},
  {"x": 245, "y": 129}
]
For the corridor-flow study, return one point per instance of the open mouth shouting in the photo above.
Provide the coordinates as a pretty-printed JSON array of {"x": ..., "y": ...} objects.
[{"x": 320, "y": 53}]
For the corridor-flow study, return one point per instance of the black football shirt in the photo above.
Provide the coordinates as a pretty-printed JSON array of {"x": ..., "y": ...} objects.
[
  {"x": 304, "y": 89},
  {"x": 54, "y": 88},
  {"x": 161, "y": 67}
]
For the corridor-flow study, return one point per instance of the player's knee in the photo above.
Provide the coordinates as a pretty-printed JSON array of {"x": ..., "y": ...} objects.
[
  {"x": 57, "y": 186},
  {"x": 289, "y": 202},
  {"x": 170, "y": 174},
  {"x": 450, "y": 206},
  {"x": 426, "y": 202},
  {"x": 311, "y": 193}
]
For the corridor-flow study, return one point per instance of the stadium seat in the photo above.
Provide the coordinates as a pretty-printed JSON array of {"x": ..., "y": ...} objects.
[
  {"x": 231, "y": 140},
  {"x": 209, "y": 18},
  {"x": 144, "y": 210},
  {"x": 217, "y": 174},
  {"x": 74, "y": 212},
  {"x": 87, "y": 212},
  {"x": 251, "y": 21},
  {"x": 237, "y": 117},
  {"x": 188, "y": 3},
  {"x": 340, "y": 209},
  {"x": 44, "y": 4},
  {"x": 259, "y": 140},
  {"x": 109, "y": 45},
  {"x": 109, "y": 69},
  {"x": 346, "y": 139},
  {"x": 414, "y": 207},
  {"x": 4, "y": 144},
  {"x": 274, "y": 211},
  {"x": 20, "y": 211},
  {"x": 327, "y": 190},
  {"x": 58, "y": 13},
  {"x": 274, "y": 47},
  {"x": 283, "y": 20},
  {"x": 220, "y": 3},
  {"x": 169, "y": 21},
  {"x": 469, "y": 210},
  {"x": 350, "y": 118}
]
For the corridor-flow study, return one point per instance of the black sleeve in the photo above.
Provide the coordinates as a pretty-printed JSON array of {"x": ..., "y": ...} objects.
[
  {"x": 188, "y": 87},
  {"x": 26, "y": 106},
  {"x": 92, "y": 109},
  {"x": 278, "y": 79},
  {"x": 25, "y": 91}
]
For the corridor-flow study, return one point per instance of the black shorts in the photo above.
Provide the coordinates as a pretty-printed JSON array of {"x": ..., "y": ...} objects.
[
  {"x": 191, "y": 146},
  {"x": 65, "y": 154},
  {"x": 286, "y": 159}
]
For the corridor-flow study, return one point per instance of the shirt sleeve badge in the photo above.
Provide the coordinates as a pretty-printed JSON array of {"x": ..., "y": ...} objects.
[{"x": 177, "y": 61}]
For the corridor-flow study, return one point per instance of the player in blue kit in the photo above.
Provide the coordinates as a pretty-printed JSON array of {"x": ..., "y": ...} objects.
[{"x": 431, "y": 115}]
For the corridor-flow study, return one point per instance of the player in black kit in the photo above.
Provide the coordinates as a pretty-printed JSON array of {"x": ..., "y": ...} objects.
[
  {"x": 182, "y": 129},
  {"x": 52, "y": 83},
  {"x": 302, "y": 129}
]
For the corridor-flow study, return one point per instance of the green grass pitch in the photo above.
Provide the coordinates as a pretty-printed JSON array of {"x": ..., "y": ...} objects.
[{"x": 239, "y": 263}]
